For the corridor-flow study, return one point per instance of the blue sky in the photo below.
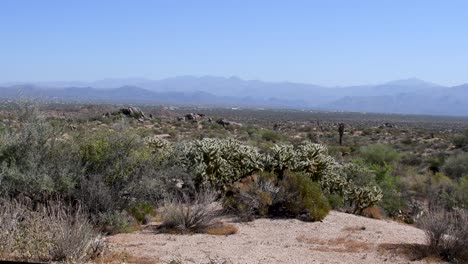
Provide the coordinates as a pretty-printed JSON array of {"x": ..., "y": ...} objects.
[{"x": 324, "y": 42}]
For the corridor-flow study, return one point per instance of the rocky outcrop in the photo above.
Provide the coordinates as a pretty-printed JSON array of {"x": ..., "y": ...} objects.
[{"x": 133, "y": 112}]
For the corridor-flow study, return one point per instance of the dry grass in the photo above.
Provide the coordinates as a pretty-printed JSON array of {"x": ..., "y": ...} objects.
[
  {"x": 412, "y": 251},
  {"x": 447, "y": 234},
  {"x": 222, "y": 230},
  {"x": 123, "y": 257},
  {"x": 372, "y": 212},
  {"x": 183, "y": 216},
  {"x": 339, "y": 244},
  {"x": 49, "y": 232}
]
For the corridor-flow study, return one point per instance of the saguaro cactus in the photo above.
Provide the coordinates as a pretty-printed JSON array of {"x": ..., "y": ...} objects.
[{"x": 341, "y": 132}]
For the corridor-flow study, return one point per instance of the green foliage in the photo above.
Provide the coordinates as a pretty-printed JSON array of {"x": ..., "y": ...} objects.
[
  {"x": 272, "y": 136},
  {"x": 302, "y": 198},
  {"x": 392, "y": 202},
  {"x": 378, "y": 154},
  {"x": 461, "y": 141},
  {"x": 296, "y": 195},
  {"x": 456, "y": 166},
  {"x": 35, "y": 161},
  {"x": 141, "y": 210},
  {"x": 448, "y": 194},
  {"x": 116, "y": 155},
  {"x": 336, "y": 201},
  {"x": 116, "y": 222}
]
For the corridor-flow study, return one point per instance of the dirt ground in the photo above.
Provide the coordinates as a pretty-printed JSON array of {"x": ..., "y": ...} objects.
[{"x": 339, "y": 238}]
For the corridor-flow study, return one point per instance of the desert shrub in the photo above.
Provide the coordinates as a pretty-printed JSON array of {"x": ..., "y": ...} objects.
[
  {"x": 446, "y": 193},
  {"x": 461, "y": 141},
  {"x": 300, "y": 197},
  {"x": 190, "y": 215},
  {"x": 153, "y": 183},
  {"x": 49, "y": 232},
  {"x": 115, "y": 222},
  {"x": 254, "y": 198},
  {"x": 272, "y": 136},
  {"x": 116, "y": 155},
  {"x": 411, "y": 159},
  {"x": 447, "y": 234},
  {"x": 96, "y": 196},
  {"x": 336, "y": 201},
  {"x": 378, "y": 154},
  {"x": 296, "y": 195},
  {"x": 141, "y": 210},
  {"x": 434, "y": 165},
  {"x": 456, "y": 166},
  {"x": 392, "y": 201},
  {"x": 35, "y": 161}
]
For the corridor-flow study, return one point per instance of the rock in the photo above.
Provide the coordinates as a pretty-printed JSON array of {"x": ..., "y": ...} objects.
[
  {"x": 223, "y": 122},
  {"x": 131, "y": 111},
  {"x": 388, "y": 125},
  {"x": 194, "y": 117}
]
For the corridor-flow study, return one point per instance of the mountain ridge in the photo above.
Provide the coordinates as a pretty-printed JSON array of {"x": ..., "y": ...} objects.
[{"x": 407, "y": 96}]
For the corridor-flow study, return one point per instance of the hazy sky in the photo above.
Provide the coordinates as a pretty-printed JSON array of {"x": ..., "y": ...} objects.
[{"x": 323, "y": 42}]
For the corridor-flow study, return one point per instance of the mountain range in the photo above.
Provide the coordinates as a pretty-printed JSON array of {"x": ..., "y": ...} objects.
[{"x": 408, "y": 96}]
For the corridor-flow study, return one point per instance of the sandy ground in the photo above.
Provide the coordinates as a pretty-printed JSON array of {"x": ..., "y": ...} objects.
[{"x": 339, "y": 238}]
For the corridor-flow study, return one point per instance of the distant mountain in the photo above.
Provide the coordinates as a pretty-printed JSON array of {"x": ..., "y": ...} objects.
[
  {"x": 132, "y": 94},
  {"x": 410, "y": 96}
]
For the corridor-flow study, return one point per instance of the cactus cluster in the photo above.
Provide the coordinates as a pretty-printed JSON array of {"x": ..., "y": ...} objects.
[
  {"x": 355, "y": 184},
  {"x": 311, "y": 159},
  {"x": 221, "y": 162},
  {"x": 160, "y": 147}
]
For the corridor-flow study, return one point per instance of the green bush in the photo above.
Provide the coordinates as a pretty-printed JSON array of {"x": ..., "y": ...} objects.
[
  {"x": 456, "y": 166},
  {"x": 117, "y": 222},
  {"x": 302, "y": 198},
  {"x": 271, "y": 136},
  {"x": 141, "y": 210},
  {"x": 392, "y": 202},
  {"x": 252, "y": 199},
  {"x": 296, "y": 195},
  {"x": 378, "y": 154},
  {"x": 36, "y": 162},
  {"x": 461, "y": 141}
]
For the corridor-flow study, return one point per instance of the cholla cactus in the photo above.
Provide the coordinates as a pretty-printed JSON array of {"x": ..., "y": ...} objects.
[
  {"x": 313, "y": 159},
  {"x": 355, "y": 184},
  {"x": 220, "y": 162},
  {"x": 364, "y": 197},
  {"x": 282, "y": 158},
  {"x": 309, "y": 158},
  {"x": 161, "y": 147}
]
